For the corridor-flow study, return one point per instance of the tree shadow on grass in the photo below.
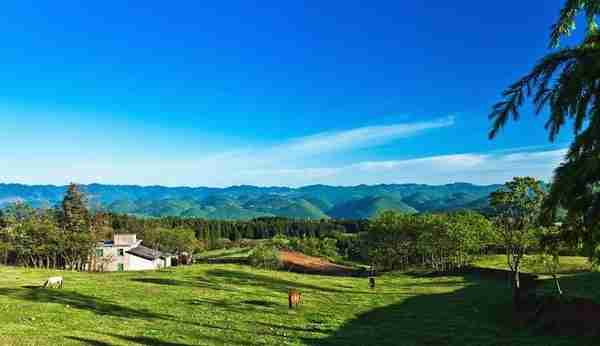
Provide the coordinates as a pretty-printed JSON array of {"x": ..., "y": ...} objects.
[
  {"x": 478, "y": 314},
  {"x": 89, "y": 342},
  {"x": 240, "y": 278},
  {"x": 240, "y": 307},
  {"x": 80, "y": 301},
  {"x": 159, "y": 341},
  {"x": 263, "y": 303},
  {"x": 585, "y": 285},
  {"x": 293, "y": 328},
  {"x": 142, "y": 340},
  {"x": 147, "y": 341}
]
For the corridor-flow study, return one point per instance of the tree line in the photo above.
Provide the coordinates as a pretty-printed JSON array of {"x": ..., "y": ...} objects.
[
  {"x": 65, "y": 237},
  {"x": 61, "y": 237},
  {"x": 213, "y": 233}
]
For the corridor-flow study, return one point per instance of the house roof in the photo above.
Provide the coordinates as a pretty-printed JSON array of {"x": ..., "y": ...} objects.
[{"x": 146, "y": 253}]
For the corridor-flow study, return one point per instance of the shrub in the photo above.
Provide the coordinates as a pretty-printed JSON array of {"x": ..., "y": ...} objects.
[
  {"x": 266, "y": 257},
  {"x": 312, "y": 246},
  {"x": 280, "y": 241}
]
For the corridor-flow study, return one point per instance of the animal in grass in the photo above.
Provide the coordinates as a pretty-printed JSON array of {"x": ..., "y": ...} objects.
[
  {"x": 55, "y": 281},
  {"x": 371, "y": 282},
  {"x": 294, "y": 298}
]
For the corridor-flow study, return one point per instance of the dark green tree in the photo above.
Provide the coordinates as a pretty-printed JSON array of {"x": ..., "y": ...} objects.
[
  {"x": 75, "y": 214},
  {"x": 566, "y": 82},
  {"x": 78, "y": 239}
]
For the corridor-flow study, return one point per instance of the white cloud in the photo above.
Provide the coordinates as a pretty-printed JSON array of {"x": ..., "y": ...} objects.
[
  {"x": 357, "y": 138},
  {"x": 290, "y": 163},
  {"x": 475, "y": 168}
]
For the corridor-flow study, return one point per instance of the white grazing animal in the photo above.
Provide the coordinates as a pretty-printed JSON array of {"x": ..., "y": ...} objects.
[{"x": 55, "y": 281}]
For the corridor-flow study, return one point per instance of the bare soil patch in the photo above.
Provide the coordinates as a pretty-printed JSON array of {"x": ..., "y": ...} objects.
[{"x": 301, "y": 263}]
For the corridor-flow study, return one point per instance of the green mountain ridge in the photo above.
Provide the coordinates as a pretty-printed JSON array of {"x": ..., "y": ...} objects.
[
  {"x": 369, "y": 207},
  {"x": 247, "y": 202}
]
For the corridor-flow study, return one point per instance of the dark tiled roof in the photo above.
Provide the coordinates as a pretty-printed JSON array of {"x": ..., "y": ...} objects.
[{"x": 146, "y": 253}]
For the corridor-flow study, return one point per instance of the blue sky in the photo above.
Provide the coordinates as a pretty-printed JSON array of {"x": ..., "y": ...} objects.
[{"x": 276, "y": 93}]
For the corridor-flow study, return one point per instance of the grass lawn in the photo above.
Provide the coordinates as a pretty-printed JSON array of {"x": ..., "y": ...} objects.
[
  {"x": 238, "y": 305},
  {"x": 236, "y": 252},
  {"x": 568, "y": 264}
]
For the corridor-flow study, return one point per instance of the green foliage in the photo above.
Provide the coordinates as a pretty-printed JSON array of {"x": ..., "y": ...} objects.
[
  {"x": 280, "y": 241},
  {"x": 175, "y": 241},
  {"x": 75, "y": 216},
  {"x": 518, "y": 208},
  {"x": 266, "y": 257},
  {"x": 568, "y": 15},
  {"x": 440, "y": 242},
  {"x": 565, "y": 82},
  {"x": 313, "y": 246}
]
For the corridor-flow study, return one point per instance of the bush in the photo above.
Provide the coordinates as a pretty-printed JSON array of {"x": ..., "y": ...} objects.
[
  {"x": 266, "y": 257},
  {"x": 280, "y": 241},
  {"x": 243, "y": 243},
  {"x": 313, "y": 246}
]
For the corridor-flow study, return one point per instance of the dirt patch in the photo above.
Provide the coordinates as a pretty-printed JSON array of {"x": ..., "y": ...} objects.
[{"x": 301, "y": 263}]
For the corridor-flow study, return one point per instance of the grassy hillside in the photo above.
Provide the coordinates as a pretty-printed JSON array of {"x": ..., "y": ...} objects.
[{"x": 238, "y": 305}]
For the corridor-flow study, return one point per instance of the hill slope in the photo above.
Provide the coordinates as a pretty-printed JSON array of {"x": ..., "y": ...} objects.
[
  {"x": 239, "y": 305},
  {"x": 247, "y": 202},
  {"x": 368, "y": 207}
]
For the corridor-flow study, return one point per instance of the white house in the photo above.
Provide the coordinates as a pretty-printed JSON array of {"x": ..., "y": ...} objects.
[{"x": 125, "y": 252}]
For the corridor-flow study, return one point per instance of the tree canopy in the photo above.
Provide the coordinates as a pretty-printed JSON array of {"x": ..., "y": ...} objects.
[{"x": 566, "y": 83}]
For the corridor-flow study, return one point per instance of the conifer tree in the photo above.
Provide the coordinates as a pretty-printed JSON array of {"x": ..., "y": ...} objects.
[{"x": 75, "y": 213}]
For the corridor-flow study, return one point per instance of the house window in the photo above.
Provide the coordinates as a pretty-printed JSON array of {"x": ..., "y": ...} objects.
[
  {"x": 120, "y": 267},
  {"x": 120, "y": 252},
  {"x": 99, "y": 253}
]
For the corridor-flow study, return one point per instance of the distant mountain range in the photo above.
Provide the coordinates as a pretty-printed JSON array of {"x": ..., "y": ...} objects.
[{"x": 247, "y": 202}]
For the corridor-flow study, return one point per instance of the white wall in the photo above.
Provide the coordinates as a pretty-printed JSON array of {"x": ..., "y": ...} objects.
[
  {"x": 129, "y": 261},
  {"x": 138, "y": 263},
  {"x": 112, "y": 253}
]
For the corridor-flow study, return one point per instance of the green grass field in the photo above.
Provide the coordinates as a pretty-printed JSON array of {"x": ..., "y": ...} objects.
[
  {"x": 239, "y": 305},
  {"x": 236, "y": 252}
]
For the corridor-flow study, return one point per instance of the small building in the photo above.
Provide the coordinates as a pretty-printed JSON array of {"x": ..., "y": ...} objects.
[{"x": 126, "y": 253}]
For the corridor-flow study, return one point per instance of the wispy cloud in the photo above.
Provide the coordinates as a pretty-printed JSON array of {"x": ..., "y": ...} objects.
[
  {"x": 479, "y": 168},
  {"x": 300, "y": 162},
  {"x": 361, "y": 137}
]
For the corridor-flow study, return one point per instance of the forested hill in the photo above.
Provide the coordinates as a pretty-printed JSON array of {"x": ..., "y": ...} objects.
[{"x": 247, "y": 202}]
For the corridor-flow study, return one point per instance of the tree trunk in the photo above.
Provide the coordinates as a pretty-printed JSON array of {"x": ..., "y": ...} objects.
[
  {"x": 560, "y": 292},
  {"x": 516, "y": 283}
]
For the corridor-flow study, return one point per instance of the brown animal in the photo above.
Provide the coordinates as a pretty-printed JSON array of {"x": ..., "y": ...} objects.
[{"x": 294, "y": 298}]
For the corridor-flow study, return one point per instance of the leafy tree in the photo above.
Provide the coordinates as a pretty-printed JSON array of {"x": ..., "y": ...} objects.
[
  {"x": 266, "y": 257},
  {"x": 440, "y": 242},
  {"x": 16, "y": 213},
  {"x": 390, "y": 241},
  {"x": 175, "y": 241},
  {"x": 518, "y": 207},
  {"x": 567, "y": 83}
]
